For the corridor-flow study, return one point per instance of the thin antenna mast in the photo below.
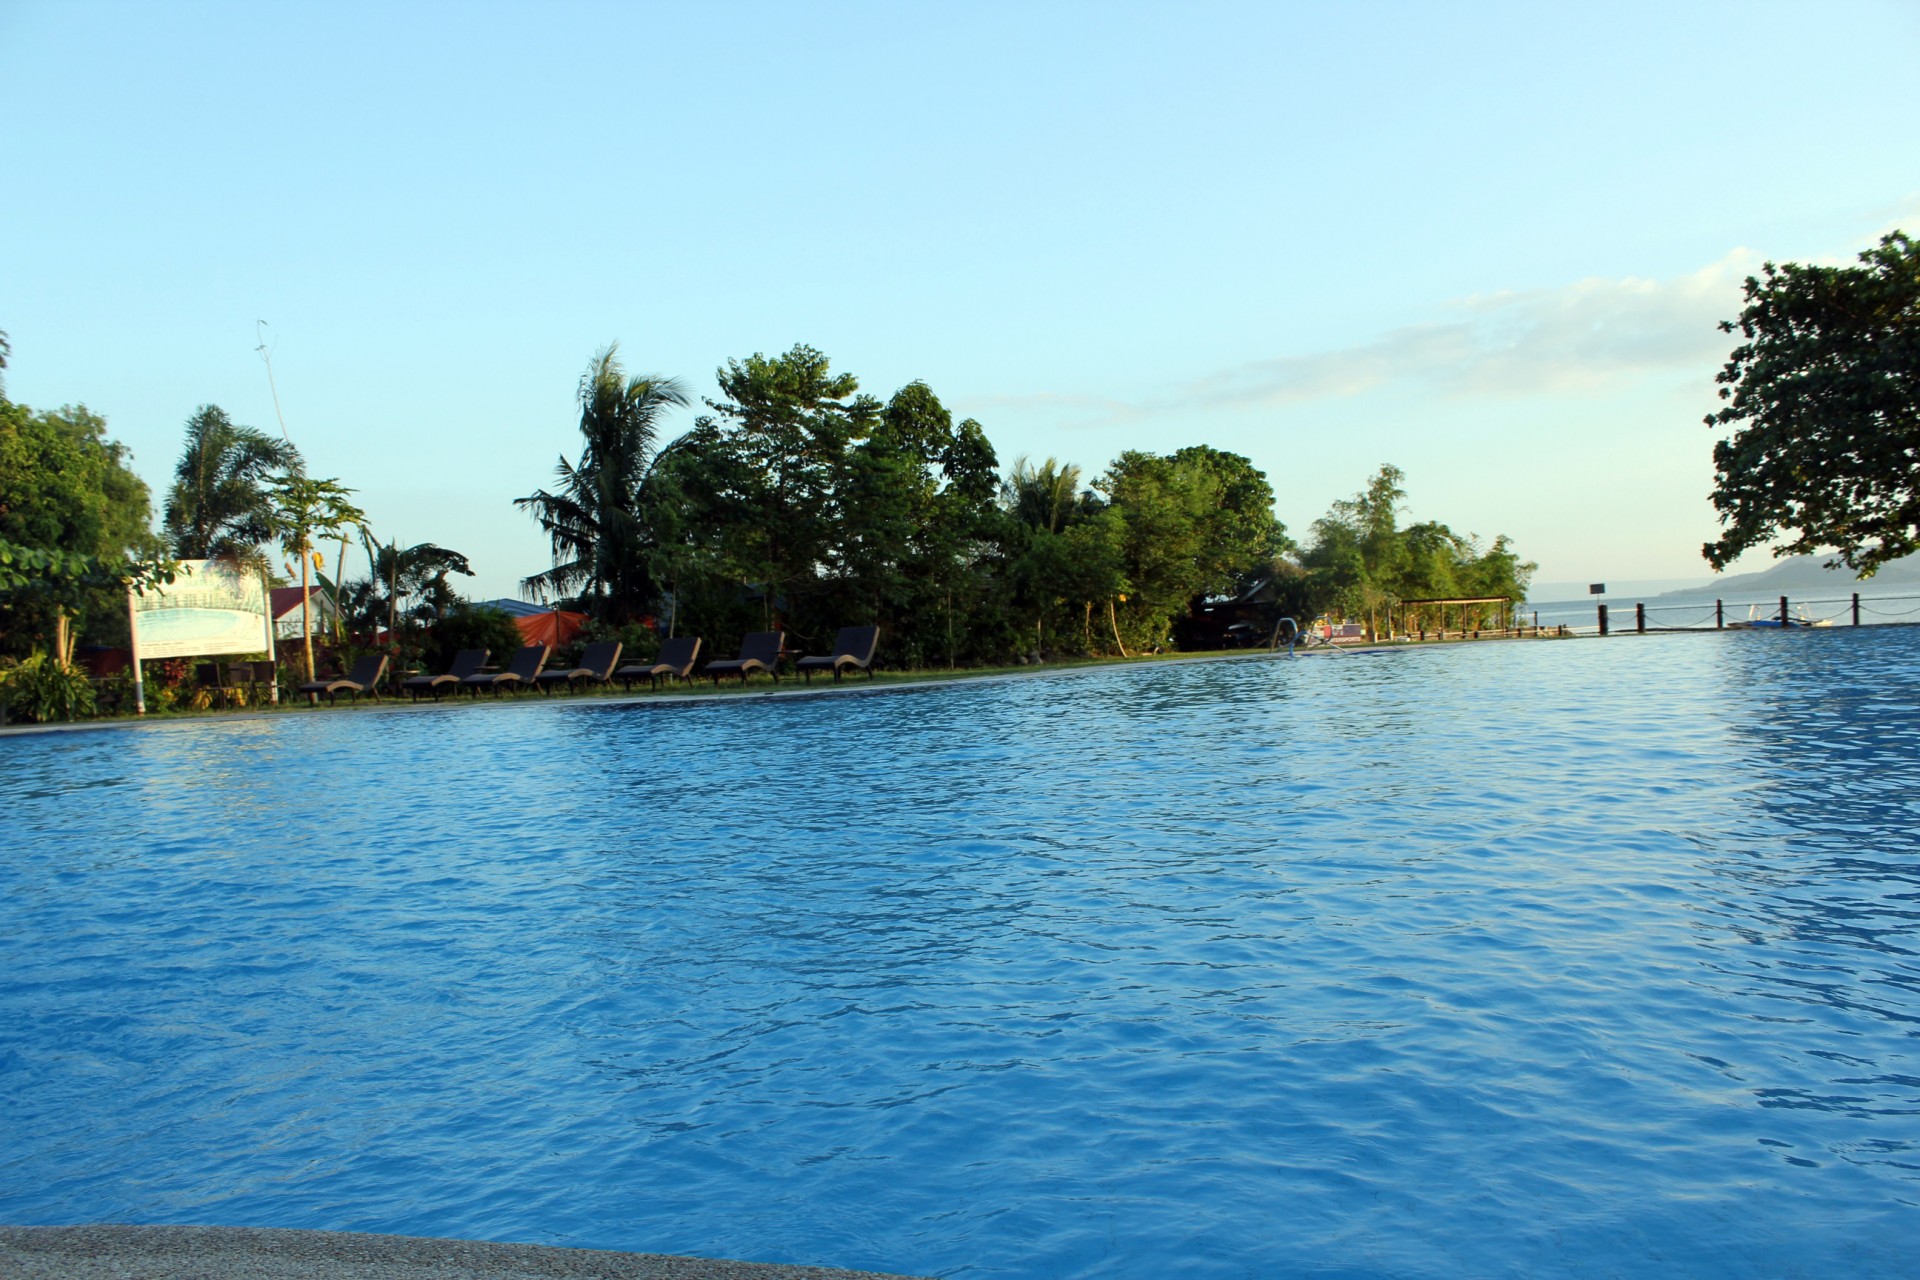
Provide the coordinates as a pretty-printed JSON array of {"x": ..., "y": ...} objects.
[{"x": 267, "y": 356}]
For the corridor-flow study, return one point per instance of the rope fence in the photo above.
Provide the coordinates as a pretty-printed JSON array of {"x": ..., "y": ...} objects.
[{"x": 1772, "y": 613}]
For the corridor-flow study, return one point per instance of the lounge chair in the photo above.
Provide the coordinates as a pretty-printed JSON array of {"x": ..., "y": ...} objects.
[
  {"x": 256, "y": 678},
  {"x": 852, "y": 650},
  {"x": 364, "y": 678},
  {"x": 523, "y": 671},
  {"x": 219, "y": 688},
  {"x": 677, "y": 657},
  {"x": 465, "y": 663},
  {"x": 596, "y": 667},
  {"x": 760, "y": 651}
]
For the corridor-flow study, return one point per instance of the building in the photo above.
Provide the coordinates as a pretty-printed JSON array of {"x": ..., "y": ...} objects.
[{"x": 285, "y": 602}]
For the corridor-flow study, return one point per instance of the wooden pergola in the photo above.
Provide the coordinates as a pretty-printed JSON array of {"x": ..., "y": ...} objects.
[{"x": 1443, "y": 603}]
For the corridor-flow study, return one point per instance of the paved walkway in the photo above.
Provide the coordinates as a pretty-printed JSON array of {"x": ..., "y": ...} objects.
[{"x": 240, "y": 1253}]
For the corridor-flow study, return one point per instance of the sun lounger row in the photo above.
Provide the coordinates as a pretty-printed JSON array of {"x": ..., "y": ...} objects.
[
  {"x": 761, "y": 651},
  {"x": 677, "y": 657},
  {"x": 852, "y": 651},
  {"x": 364, "y": 678}
]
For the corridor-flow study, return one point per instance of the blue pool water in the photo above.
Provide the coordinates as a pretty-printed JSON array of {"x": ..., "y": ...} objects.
[{"x": 1591, "y": 958}]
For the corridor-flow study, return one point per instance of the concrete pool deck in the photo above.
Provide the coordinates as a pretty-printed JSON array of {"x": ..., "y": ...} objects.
[{"x": 115, "y": 1252}]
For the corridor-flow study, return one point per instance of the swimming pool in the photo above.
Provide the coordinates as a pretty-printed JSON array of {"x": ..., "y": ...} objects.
[{"x": 1586, "y": 958}]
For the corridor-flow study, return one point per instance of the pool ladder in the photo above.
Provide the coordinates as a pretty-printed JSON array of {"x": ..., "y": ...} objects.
[{"x": 1287, "y": 631}]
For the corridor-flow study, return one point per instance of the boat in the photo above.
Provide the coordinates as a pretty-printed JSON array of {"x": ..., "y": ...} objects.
[{"x": 1774, "y": 622}]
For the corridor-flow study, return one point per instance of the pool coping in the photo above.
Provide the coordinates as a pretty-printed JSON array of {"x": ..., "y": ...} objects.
[
  {"x": 848, "y": 688},
  {"x": 112, "y": 1251}
]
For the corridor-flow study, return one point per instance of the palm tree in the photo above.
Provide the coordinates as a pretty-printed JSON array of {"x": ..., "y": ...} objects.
[
  {"x": 1044, "y": 499},
  {"x": 597, "y": 520},
  {"x": 218, "y": 507},
  {"x": 301, "y": 511},
  {"x": 1043, "y": 496},
  {"x": 404, "y": 587}
]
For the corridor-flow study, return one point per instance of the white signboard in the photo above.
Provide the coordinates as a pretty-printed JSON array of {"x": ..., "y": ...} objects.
[{"x": 207, "y": 609}]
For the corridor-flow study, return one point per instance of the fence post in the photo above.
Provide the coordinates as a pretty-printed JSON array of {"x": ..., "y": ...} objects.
[
  {"x": 1783, "y": 611},
  {"x": 1719, "y": 614},
  {"x": 1856, "y": 608},
  {"x": 1603, "y": 619},
  {"x": 1640, "y": 618}
]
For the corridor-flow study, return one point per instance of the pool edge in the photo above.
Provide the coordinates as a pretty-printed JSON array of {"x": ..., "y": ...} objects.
[{"x": 100, "y": 1251}]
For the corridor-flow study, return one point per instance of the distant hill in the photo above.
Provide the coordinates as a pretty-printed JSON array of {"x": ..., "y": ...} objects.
[{"x": 1802, "y": 575}]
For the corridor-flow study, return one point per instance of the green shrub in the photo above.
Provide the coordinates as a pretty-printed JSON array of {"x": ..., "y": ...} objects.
[
  {"x": 469, "y": 626},
  {"x": 43, "y": 690},
  {"x": 638, "y": 643}
]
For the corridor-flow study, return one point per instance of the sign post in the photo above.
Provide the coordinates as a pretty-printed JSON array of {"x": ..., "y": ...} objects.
[
  {"x": 273, "y": 656},
  {"x": 133, "y": 643},
  {"x": 209, "y": 608}
]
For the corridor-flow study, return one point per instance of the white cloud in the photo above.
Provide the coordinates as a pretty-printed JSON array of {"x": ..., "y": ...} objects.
[{"x": 1586, "y": 336}]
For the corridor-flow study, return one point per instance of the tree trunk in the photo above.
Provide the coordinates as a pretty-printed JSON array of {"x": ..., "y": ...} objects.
[
  {"x": 393, "y": 610},
  {"x": 339, "y": 586},
  {"x": 306, "y": 622},
  {"x": 1113, "y": 619},
  {"x": 62, "y": 638}
]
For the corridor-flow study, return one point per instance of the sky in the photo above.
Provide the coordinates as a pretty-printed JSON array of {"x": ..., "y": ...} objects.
[{"x": 1486, "y": 243}]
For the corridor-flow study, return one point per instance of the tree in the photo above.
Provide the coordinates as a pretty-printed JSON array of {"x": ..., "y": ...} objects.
[
  {"x": 1043, "y": 496},
  {"x": 915, "y": 499},
  {"x": 68, "y": 580},
  {"x": 1498, "y": 571},
  {"x": 1362, "y": 563},
  {"x": 1239, "y": 533},
  {"x": 218, "y": 507},
  {"x": 876, "y": 561},
  {"x": 1160, "y": 505},
  {"x": 1194, "y": 524},
  {"x": 1824, "y": 397},
  {"x": 692, "y": 506},
  {"x": 802, "y": 503},
  {"x": 1042, "y": 501},
  {"x": 406, "y": 591},
  {"x": 1359, "y": 555},
  {"x": 597, "y": 521},
  {"x": 959, "y": 540},
  {"x": 472, "y": 626},
  {"x": 1089, "y": 568},
  {"x": 784, "y": 429},
  {"x": 74, "y": 514},
  {"x": 303, "y": 510},
  {"x": 416, "y": 579}
]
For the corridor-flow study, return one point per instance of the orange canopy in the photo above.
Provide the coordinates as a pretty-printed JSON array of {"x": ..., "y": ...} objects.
[{"x": 555, "y": 629}]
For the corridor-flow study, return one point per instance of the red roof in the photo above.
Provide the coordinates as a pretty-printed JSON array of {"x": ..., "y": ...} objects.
[{"x": 286, "y": 599}]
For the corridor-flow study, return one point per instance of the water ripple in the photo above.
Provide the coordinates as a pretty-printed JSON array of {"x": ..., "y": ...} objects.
[{"x": 1580, "y": 959}]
